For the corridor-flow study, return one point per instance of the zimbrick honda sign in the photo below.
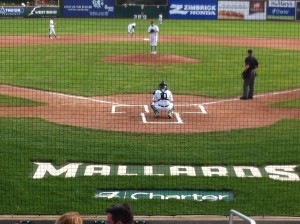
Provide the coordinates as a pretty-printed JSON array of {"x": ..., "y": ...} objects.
[
  {"x": 206, "y": 9},
  {"x": 88, "y": 8}
]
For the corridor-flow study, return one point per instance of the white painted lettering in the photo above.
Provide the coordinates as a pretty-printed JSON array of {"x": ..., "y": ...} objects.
[
  {"x": 284, "y": 173},
  {"x": 178, "y": 170},
  {"x": 214, "y": 171},
  {"x": 133, "y": 196},
  {"x": 160, "y": 196},
  {"x": 148, "y": 171},
  {"x": 103, "y": 170},
  {"x": 197, "y": 197},
  {"x": 240, "y": 171},
  {"x": 122, "y": 171},
  {"x": 172, "y": 197},
  {"x": 210, "y": 197},
  {"x": 108, "y": 195},
  {"x": 43, "y": 168}
]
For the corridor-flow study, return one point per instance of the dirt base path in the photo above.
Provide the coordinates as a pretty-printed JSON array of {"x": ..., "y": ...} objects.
[
  {"x": 122, "y": 113},
  {"x": 279, "y": 43}
]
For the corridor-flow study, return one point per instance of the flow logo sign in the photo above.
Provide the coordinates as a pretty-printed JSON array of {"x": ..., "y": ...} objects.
[{"x": 165, "y": 195}]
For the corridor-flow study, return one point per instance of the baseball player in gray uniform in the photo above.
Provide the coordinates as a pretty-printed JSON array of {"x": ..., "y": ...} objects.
[
  {"x": 162, "y": 101},
  {"x": 153, "y": 30}
]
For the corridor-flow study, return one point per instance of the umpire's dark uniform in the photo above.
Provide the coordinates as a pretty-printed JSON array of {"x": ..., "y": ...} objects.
[{"x": 249, "y": 74}]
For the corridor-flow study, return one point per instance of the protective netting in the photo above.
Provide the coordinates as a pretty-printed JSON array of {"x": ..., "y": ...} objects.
[{"x": 96, "y": 111}]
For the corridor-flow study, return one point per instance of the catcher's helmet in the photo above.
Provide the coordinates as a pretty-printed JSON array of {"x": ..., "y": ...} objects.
[{"x": 163, "y": 85}]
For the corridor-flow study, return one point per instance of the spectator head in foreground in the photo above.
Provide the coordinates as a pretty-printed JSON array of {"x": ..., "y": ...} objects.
[
  {"x": 119, "y": 214},
  {"x": 69, "y": 218}
]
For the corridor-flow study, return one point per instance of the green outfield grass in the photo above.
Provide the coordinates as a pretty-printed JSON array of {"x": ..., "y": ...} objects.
[{"x": 79, "y": 69}]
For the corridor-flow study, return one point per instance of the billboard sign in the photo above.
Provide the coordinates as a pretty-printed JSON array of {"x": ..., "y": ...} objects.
[
  {"x": 12, "y": 11},
  {"x": 281, "y": 10},
  {"x": 41, "y": 12},
  {"x": 206, "y": 9},
  {"x": 88, "y": 8},
  {"x": 242, "y": 10}
]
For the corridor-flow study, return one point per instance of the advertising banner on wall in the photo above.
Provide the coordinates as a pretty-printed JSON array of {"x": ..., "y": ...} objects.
[
  {"x": 244, "y": 10},
  {"x": 42, "y": 12},
  {"x": 12, "y": 12},
  {"x": 189, "y": 9},
  {"x": 30, "y": 12},
  {"x": 281, "y": 10},
  {"x": 88, "y": 8}
]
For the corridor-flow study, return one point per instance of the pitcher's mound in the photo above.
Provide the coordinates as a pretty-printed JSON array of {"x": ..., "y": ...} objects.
[{"x": 151, "y": 59}]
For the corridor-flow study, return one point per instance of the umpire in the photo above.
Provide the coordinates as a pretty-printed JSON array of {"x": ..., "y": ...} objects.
[{"x": 249, "y": 74}]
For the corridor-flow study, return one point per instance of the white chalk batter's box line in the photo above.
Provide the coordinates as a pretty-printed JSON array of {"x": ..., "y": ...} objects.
[{"x": 201, "y": 110}]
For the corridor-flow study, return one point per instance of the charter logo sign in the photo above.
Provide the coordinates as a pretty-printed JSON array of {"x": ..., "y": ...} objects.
[
  {"x": 73, "y": 170},
  {"x": 190, "y": 10},
  {"x": 166, "y": 195}
]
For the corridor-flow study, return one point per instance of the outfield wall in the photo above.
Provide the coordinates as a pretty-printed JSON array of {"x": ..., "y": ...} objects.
[{"x": 176, "y": 9}]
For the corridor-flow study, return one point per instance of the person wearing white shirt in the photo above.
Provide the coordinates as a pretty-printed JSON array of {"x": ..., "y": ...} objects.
[
  {"x": 153, "y": 31},
  {"x": 51, "y": 29},
  {"x": 162, "y": 100}
]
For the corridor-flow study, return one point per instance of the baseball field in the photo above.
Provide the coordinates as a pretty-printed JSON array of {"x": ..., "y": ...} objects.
[{"x": 76, "y": 124}]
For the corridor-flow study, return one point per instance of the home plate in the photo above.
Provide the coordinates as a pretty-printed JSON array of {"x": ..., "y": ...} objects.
[{"x": 146, "y": 39}]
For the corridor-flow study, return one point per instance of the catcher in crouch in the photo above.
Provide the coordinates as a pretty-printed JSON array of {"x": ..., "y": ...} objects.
[{"x": 162, "y": 101}]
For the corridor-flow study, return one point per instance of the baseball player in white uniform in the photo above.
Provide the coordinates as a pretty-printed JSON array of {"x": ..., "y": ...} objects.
[
  {"x": 160, "y": 19},
  {"x": 131, "y": 28},
  {"x": 162, "y": 101},
  {"x": 153, "y": 30},
  {"x": 51, "y": 29}
]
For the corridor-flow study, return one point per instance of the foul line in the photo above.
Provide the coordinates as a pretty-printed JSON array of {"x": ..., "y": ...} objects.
[
  {"x": 195, "y": 104},
  {"x": 259, "y": 95}
]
